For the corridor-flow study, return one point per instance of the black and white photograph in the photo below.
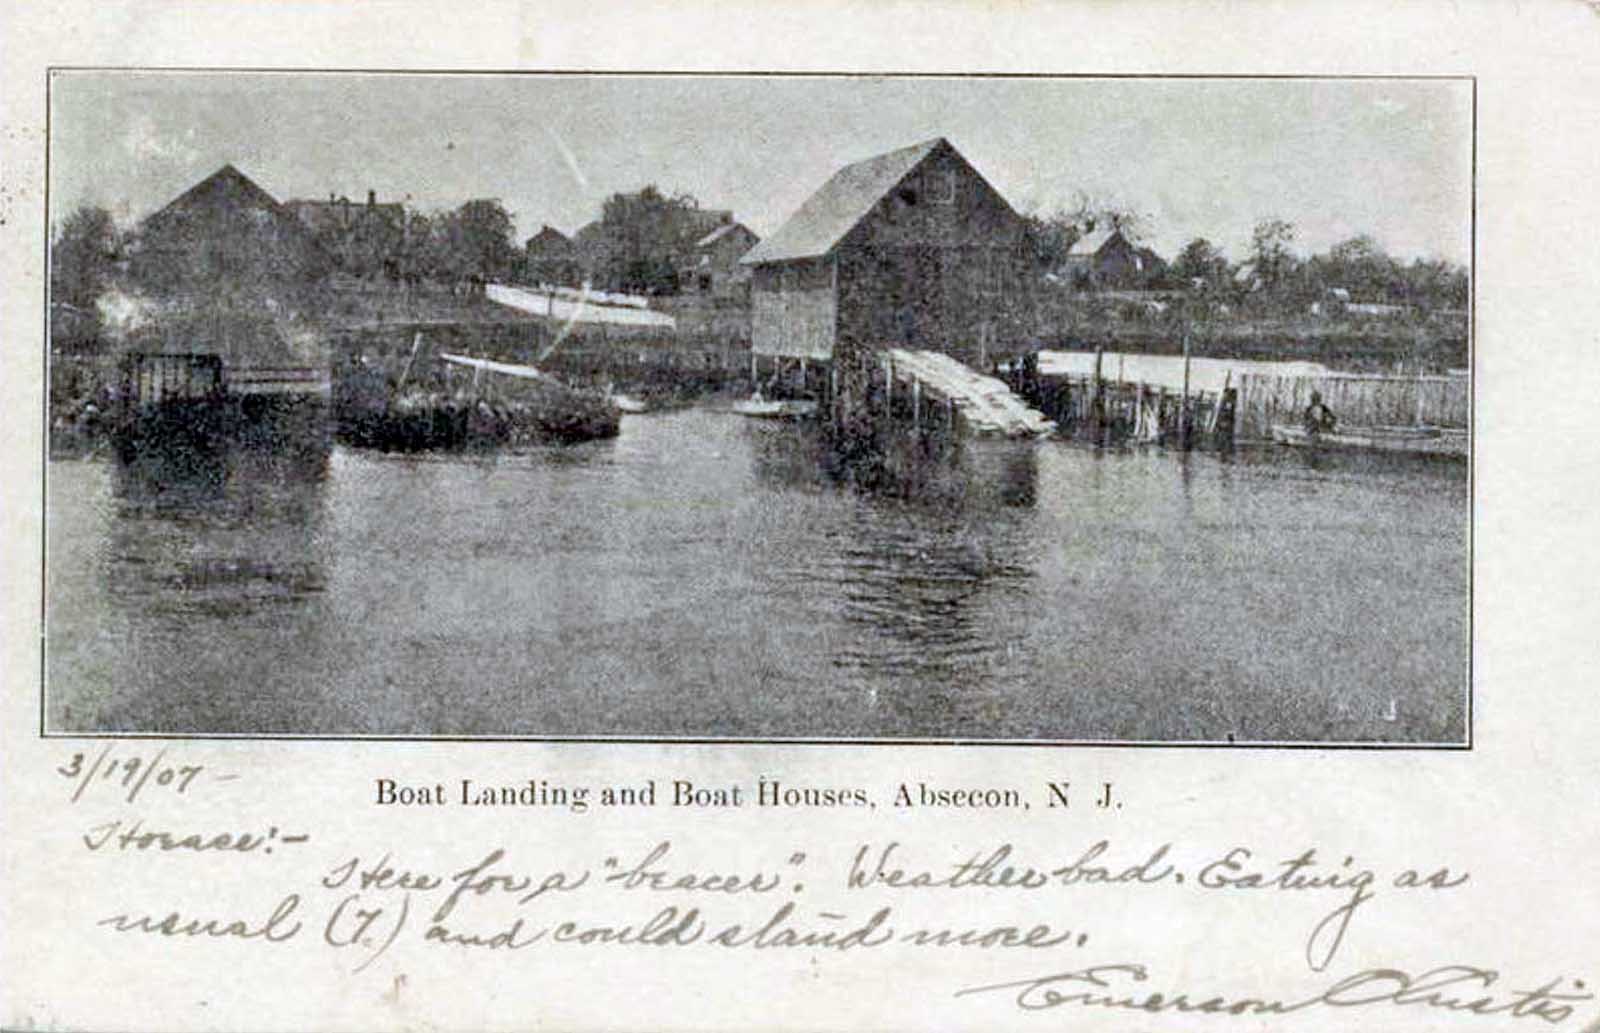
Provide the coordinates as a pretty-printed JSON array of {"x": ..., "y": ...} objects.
[{"x": 759, "y": 407}]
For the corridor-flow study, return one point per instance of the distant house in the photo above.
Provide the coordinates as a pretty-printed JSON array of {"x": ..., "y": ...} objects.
[
  {"x": 362, "y": 239},
  {"x": 911, "y": 248},
  {"x": 711, "y": 265},
  {"x": 340, "y": 215},
  {"x": 1153, "y": 269},
  {"x": 1334, "y": 300},
  {"x": 226, "y": 233},
  {"x": 1106, "y": 259},
  {"x": 1245, "y": 277},
  {"x": 550, "y": 257},
  {"x": 645, "y": 241}
]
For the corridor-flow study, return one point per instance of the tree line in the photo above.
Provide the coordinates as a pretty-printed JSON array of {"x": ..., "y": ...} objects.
[{"x": 1272, "y": 275}]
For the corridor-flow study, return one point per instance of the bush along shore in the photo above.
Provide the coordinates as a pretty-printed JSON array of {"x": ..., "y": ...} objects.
[{"x": 451, "y": 408}]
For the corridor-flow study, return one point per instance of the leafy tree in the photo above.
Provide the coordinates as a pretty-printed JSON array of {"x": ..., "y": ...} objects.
[
  {"x": 1090, "y": 213},
  {"x": 1200, "y": 261},
  {"x": 1270, "y": 251},
  {"x": 1360, "y": 266},
  {"x": 479, "y": 240},
  {"x": 1435, "y": 283},
  {"x": 641, "y": 236},
  {"x": 1052, "y": 237},
  {"x": 82, "y": 257}
]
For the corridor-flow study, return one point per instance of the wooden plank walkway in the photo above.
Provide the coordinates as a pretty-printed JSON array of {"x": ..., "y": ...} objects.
[{"x": 986, "y": 405}]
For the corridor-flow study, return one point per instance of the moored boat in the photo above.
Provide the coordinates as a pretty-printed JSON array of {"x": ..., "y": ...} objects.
[
  {"x": 1437, "y": 441},
  {"x": 761, "y": 407}
]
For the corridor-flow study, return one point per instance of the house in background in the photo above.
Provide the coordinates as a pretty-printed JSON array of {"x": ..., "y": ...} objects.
[
  {"x": 360, "y": 238},
  {"x": 550, "y": 257},
  {"x": 645, "y": 241},
  {"x": 912, "y": 248},
  {"x": 711, "y": 265},
  {"x": 1105, "y": 259}
]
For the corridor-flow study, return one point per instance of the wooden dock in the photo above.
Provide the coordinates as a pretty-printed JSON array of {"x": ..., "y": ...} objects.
[
  {"x": 926, "y": 393},
  {"x": 1102, "y": 407},
  {"x": 194, "y": 402},
  {"x": 984, "y": 406}
]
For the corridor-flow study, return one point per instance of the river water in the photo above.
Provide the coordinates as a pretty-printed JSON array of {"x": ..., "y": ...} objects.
[{"x": 699, "y": 576}]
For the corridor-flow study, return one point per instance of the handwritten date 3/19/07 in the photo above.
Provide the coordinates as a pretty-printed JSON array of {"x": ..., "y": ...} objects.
[{"x": 131, "y": 774}]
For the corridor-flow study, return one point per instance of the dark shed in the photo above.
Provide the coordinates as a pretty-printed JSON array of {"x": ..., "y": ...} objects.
[
  {"x": 912, "y": 248},
  {"x": 226, "y": 233}
]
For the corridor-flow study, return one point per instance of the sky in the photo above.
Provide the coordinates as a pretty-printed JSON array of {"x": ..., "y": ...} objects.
[{"x": 1201, "y": 157}]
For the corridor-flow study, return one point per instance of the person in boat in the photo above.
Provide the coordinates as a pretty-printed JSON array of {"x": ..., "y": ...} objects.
[{"x": 1318, "y": 418}]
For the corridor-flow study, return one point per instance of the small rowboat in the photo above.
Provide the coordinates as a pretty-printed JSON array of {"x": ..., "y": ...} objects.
[
  {"x": 775, "y": 408},
  {"x": 1404, "y": 440}
]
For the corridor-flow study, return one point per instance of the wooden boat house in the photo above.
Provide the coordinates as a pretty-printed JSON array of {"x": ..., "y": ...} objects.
[
  {"x": 911, "y": 249},
  {"x": 226, "y": 235},
  {"x": 230, "y": 349}
]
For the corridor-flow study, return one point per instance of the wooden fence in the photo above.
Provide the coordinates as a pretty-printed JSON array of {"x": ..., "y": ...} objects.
[{"x": 1357, "y": 400}]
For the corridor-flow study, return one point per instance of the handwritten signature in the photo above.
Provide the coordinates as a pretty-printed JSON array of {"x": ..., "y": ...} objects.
[{"x": 1464, "y": 989}]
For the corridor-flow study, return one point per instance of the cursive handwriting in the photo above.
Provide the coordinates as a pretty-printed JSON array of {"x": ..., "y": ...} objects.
[
  {"x": 650, "y": 874},
  {"x": 131, "y": 773},
  {"x": 114, "y": 836},
  {"x": 992, "y": 871},
  {"x": 275, "y": 929},
  {"x": 1463, "y": 989}
]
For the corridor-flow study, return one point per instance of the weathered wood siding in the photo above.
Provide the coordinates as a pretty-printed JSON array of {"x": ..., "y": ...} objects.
[
  {"x": 940, "y": 263},
  {"x": 793, "y": 310}
]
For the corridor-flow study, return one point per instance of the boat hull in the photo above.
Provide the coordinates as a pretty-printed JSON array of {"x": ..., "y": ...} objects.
[
  {"x": 1397, "y": 440},
  {"x": 775, "y": 409}
]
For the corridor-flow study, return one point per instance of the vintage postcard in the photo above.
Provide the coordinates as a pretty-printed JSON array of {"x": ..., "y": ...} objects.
[
  {"x": 540, "y": 533},
  {"x": 367, "y": 410}
]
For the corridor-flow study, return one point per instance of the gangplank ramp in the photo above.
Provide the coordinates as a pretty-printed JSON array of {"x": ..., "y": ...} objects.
[{"x": 986, "y": 404}]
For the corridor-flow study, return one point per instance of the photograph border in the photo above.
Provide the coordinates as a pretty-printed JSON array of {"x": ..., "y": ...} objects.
[{"x": 1466, "y": 745}]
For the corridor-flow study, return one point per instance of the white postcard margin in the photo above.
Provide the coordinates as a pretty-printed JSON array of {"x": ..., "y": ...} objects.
[{"x": 1516, "y": 811}]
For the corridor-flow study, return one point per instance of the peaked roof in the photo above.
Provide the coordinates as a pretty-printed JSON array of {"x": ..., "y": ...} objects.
[
  {"x": 1091, "y": 243},
  {"x": 833, "y": 211},
  {"x": 548, "y": 239},
  {"x": 720, "y": 232},
  {"x": 228, "y": 186}
]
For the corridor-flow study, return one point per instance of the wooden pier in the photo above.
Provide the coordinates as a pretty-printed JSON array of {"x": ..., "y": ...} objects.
[
  {"x": 1106, "y": 409},
  {"x": 193, "y": 402},
  {"x": 929, "y": 392}
]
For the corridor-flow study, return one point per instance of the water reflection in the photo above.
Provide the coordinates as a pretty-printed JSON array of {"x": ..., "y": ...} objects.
[
  {"x": 921, "y": 471},
  {"x": 221, "y": 534},
  {"x": 922, "y": 566},
  {"x": 703, "y": 574}
]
